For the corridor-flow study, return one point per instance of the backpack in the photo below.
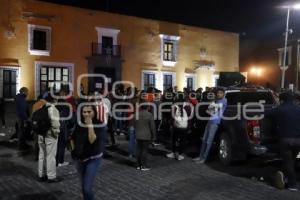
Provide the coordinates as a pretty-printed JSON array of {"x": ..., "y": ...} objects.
[
  {"x": 41, "y": 121},
  {"x": 180, "y": 119}
]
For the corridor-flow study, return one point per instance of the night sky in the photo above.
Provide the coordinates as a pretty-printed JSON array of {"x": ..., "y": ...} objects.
[{"x": 257, "y": 19}]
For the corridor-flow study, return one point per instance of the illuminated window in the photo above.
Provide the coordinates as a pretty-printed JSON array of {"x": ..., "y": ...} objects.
[
  {"x": 169, "y": 49},
  {"x": 39, "y": 40},
  {"x": 53, "y": 77}
]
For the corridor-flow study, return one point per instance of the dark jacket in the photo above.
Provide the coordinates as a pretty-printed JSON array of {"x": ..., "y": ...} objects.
[
  {"x": 287, "y": 118},
  {"x": 22, "y": 107},
  {"x": 83, "y": 149},
  {"x": 144, "y": 126}
]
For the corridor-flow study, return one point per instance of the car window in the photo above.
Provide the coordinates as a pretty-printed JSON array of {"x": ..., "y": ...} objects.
[{"x": 233, "y": 98}]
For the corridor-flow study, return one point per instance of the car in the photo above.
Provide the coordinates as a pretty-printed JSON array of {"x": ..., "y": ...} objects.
[{"x": 250, "y": 133}]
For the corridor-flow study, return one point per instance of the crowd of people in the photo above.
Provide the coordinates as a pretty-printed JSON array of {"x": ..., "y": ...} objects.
[{"x": 83, "y": 126}]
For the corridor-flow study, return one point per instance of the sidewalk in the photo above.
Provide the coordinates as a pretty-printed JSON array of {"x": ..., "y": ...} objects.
[{"x": 118, "y": 179}]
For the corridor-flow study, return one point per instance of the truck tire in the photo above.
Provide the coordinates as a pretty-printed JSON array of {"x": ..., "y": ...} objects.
[{"x": 225, "y": 149}]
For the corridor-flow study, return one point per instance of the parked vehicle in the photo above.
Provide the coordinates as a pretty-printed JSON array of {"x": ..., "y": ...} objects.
[{"x": 246, "y": 135}]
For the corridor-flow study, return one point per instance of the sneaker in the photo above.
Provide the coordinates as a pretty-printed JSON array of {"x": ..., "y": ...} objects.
[
  {"x": 130, "y": 156},
  {"x": 180, "y": 157},
  {"x": 13, "y": 138},
  {"x": 143, "y": 168},
  {"x": 155, "y": 143},
  {"x": 196, "y": 159},
  {"x": 294, "y": 189},
  {"x": 63, "y": 164},
  {"x": 171, "y": 155},
  {"x": 139, "y": 168},
  {"x": 199, "y": 160},
  {"x": 279, "y": 180},
  {"x": 54, "y": 180},
  {"x": 42, "y": 179}
]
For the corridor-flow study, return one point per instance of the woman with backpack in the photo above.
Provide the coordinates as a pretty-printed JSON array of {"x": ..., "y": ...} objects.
[
  {"x": 180, "y": 126},
  {"x": 88, "y": 143}
]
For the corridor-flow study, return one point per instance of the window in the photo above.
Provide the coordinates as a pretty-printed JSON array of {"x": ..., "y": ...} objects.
[
  {"x": 167, "y": 82},
  {"x": 53, "y": 77},
  {"x": 107, "y": 45},
  {"x": 288, "y": 60},
  {"x": 9, "y": 83},
  {"x": 190, "y": 83},
  {"x": 39, "y": 40},
  {"x": 169, "y": 49},
  {"x": 149, "y": 80}
]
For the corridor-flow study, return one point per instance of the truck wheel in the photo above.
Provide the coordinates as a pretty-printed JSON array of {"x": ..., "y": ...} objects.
[{"x": 225, "y": 149}]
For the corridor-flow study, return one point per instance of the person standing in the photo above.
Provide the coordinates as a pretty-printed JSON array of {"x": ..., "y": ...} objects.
[
  {"x": 145, "y": 134},
  {"x": 180, "y": 127},
  {"x": 216, "y": 110},
  {"x": 88, "y": 144},
  {"x": 286, "y": 116},
  {"x": 22, "y": 109},
  {"x": 36, "y": 106},
  {"x": 65, "y": 111},
  {"x": 103, "y": 107},
  {"x": 48, "y": 146},
  {"x": 131, "y": 143}
]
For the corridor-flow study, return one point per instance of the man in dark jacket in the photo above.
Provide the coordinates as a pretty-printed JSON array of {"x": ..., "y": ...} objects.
[
  {"x": 286, "y": 117},
  {"x": 22, "y": 109}
]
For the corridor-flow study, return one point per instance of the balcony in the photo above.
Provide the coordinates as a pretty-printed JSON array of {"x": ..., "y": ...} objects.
[{"x": 99, "y": 49}]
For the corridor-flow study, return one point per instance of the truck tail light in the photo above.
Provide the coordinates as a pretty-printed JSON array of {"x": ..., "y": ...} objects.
[{"x": 253, "y": 131}]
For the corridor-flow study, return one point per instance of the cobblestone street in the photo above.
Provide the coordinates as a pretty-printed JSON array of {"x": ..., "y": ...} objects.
[{"x": 118, "y": 179}]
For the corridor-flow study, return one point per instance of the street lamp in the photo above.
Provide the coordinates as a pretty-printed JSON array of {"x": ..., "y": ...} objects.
[
  {"x": 287, "y": 31},
  {"x": 256, "y": 72}
]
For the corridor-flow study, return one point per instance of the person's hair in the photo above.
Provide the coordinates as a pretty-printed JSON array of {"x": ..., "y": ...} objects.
[
  {"x": 180, "y": 97},
  {"x": 220, "y": 89},
  {"x": 23, "y": 90},
  {"x": 95, "y": 120}
]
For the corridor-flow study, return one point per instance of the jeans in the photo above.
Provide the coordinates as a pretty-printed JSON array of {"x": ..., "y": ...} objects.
[
  {"x": 131, "y": 143},
  {"x": 141, "y": 152},
  {"x": 21, "y": 133},
  {"x": 118, "y": 123},
  {"x": 208, "y": 138},
  {"x": 87, "y": 173},
  {"x": 111, "y": 131},
  {"x": 289, "y": 148},
  {"x": 178, "y": 140},
  {"x": 62, "y": 142}
]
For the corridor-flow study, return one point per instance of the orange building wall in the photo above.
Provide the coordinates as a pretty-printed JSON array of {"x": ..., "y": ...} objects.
[{"x": 73, "y": 30}]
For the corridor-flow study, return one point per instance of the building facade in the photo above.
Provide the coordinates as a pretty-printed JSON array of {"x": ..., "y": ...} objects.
[
  {"x": 44, "y": 45},
  {"x": 291, "y": 76}
]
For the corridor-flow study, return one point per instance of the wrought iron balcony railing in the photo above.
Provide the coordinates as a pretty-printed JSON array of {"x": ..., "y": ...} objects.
[{"x": 100, "y": 49}]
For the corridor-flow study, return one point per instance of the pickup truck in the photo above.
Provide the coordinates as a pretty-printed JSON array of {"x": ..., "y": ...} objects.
[{"x": 250, "y": 133}]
